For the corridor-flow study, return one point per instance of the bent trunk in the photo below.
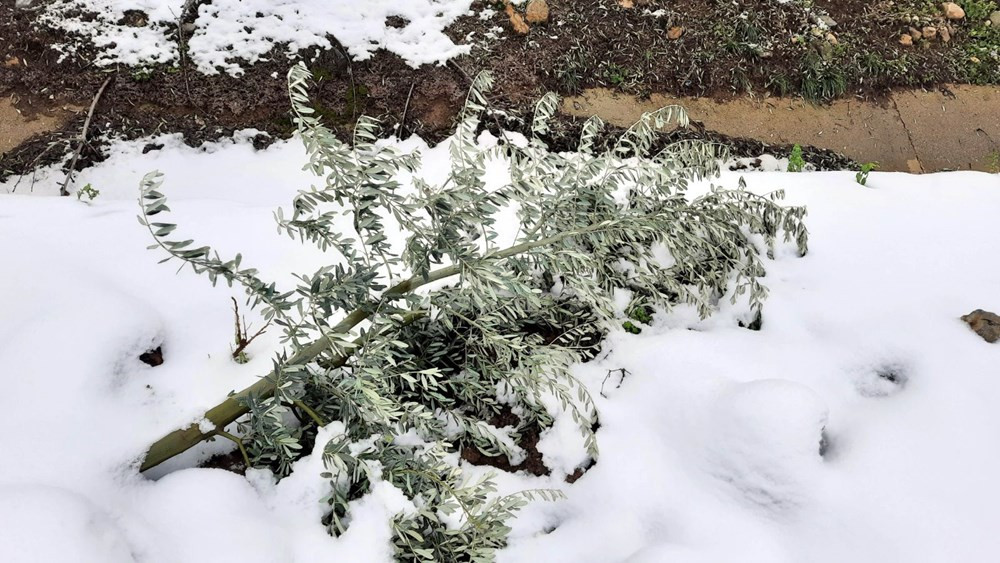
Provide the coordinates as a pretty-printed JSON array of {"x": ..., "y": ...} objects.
[{"x": 228, "y": 411}]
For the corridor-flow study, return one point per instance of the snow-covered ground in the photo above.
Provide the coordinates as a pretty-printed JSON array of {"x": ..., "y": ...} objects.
[
  {"x": 228, "y": 33},
  {"x": 710, "y": 445}
]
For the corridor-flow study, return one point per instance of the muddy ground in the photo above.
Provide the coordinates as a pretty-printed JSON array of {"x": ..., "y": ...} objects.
[{"x": 726, "y": 50}]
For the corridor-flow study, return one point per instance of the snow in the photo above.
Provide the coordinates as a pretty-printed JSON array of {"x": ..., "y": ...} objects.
[
  {"x": 230, "y": 33},
  {"x": 710, "y": 447}
]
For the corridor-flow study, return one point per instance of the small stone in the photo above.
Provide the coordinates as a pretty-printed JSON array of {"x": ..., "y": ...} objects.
[
  {"x": 832, "y": 39},
  {"x": 984, "y": 324},
  {"x": 905, "y": 40},
  {"x": 930, "y": 32},
  {"x": 945, "y": 34},
  {"x": 516, "y": 20},
  {"x": 828, "y": 21},
  {"x": 915, "y": 34},
  {"x": 817, "y": 32},
  {"x": 995, "y": 19},
  {"x": 152, "y": 357},
  {"x": 537, "y": 11},
  {"x": 189, "y": 27},
  {"x": 953, "y": 11},
  {"x": 974, "y": 60},
  {"x": 626, "y": 3},
  {"x": 11, "y": 62},
  {"x": 675, "y": 32}
]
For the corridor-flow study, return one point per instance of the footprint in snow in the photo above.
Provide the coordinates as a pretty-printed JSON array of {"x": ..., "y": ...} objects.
[
  {"x": 765, "y": 442},
  {"x": 881, "y": 380}
]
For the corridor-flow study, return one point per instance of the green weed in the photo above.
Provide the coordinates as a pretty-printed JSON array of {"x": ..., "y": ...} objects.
[
  {"x": 795, "y": 161},
  {"x": 862, "y": 176},
  {"x": 88, "y": 192}
]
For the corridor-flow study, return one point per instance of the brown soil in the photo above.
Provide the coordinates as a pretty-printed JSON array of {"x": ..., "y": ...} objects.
[
  {"x": 533, "y": 462},
  {"x": 593, "y": 43},
  {"x": 17, "y": 126},
  {"x": 912, "y": 131},
  {"x": 727, "y": 47}
]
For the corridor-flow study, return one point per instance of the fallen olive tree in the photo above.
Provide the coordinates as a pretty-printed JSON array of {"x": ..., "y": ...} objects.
[{"x": 446, "y": 305}]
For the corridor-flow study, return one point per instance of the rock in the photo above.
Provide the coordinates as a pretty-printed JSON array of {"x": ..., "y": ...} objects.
[
  {"x": 953, "y": 11},
  {"x": 915, "y": 34},
  {"x": 189, "y": 27},
  {"x": 905, "y": 40},
  {"x": 945, "y": 34},
  {"x": 675, "y": 32},
  {"x": 930, "y": 32},
  {"x": 828, "y": 21},
  {"x": 974, "y": 60},
  {"x": 626, "y": 3},
  {"x": 11, "y": 62},
  {"x": 537, "y": 11},
  {"x": 516, "y": 20},
  {"x": 152, "y": 357},
  {"x": 995, "y": 19},
  {"x": 985, "y": 324},
  {"x": 23, "y": 3},
  {"x": 832, "y": 39}
]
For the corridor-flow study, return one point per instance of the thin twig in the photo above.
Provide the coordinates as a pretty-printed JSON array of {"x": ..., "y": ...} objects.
[
  {"x": 350, "y": 74},
  {"x": 621, "y": 371},
  {"x": 242, "y": 331},
  {"x": 406, "y": 108},
  {"x": 82, "y": 140},
  {"x": 238, "y": 442},
  {"x": 182, "y": 45},
  {"x": 312, "y": 414}
]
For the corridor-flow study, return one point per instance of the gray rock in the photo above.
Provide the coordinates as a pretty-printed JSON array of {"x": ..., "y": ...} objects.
[
  {"x": 995, "y": 19},
  {"x": 828, "y": 21}
]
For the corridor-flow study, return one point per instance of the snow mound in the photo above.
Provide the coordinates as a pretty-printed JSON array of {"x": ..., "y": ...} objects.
[{"x": 41, "y": 524}]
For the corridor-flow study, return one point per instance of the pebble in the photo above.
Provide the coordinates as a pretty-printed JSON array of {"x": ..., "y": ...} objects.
[
  {"x": 537, "y": 11},
  {"x": 953, "y": 11}
]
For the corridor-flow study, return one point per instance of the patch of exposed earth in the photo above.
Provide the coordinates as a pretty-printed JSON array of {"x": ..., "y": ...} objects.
[
  {"x": 954, "y": 128},
  {"x": 593, "y": 44},
  {"x": 17, "y": 125}
]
